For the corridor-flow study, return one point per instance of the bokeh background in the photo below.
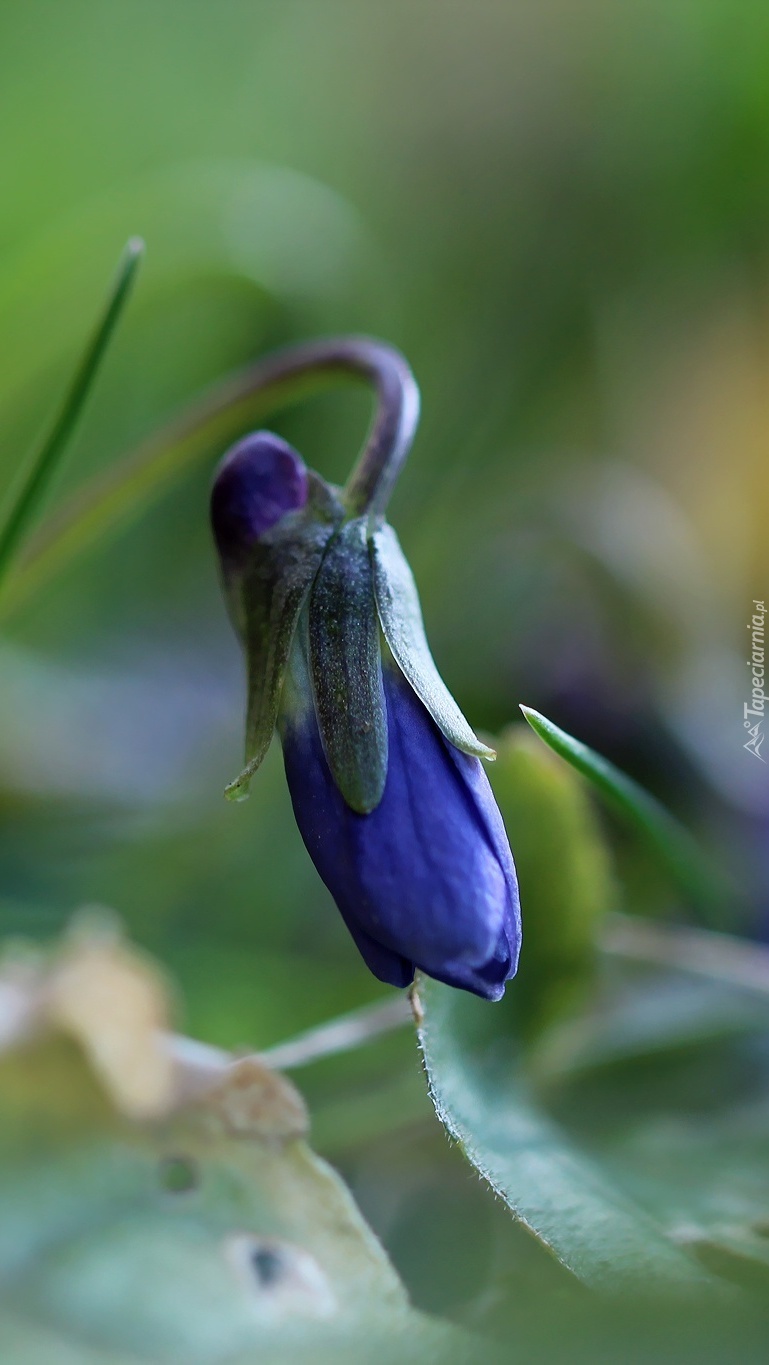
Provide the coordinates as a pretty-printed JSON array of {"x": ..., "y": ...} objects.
[{"x": 560, "y": 213}]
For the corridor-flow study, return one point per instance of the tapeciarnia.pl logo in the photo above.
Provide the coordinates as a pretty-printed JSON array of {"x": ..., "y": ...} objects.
[{"x": 753, "y": 710}]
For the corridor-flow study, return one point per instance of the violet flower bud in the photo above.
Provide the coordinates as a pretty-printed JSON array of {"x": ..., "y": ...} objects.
[{"x": 384, "y": 772}]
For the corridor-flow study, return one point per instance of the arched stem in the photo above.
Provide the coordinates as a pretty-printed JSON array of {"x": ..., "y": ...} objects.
[
  {"x": 278, "y": 381},
  {"x": 372, "y": 480}
]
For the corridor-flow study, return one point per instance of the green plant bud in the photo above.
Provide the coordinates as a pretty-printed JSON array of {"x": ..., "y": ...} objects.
[{"x": 564, "y": 873}]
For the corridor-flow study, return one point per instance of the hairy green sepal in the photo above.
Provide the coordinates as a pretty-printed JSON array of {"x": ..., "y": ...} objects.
[
  {"x": 346, "y": 669},
  {"x": 265, "y": 602},
  {"x": 397, "y": 602}
]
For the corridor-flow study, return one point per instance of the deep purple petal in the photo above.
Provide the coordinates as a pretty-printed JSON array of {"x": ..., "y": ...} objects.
[
  {"x": 382, "y": 962},
  {"x": 259, "y": 480},
  {"x": 427, "y": 875},
  {"x": 477, "y": 784},
  {"x": 488, "y": 980}
]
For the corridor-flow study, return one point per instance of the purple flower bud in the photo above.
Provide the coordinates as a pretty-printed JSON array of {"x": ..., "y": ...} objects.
[
  {"x": 261, "y": 479},
  {"x": 388, "y": 791},
  {"x": 427, "y": 878}
]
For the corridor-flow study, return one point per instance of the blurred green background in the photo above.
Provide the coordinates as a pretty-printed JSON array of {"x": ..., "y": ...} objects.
[{"x": 560, "y": 213}]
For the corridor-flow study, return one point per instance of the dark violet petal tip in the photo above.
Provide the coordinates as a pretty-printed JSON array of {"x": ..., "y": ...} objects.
[{"x": 258, "y": 482}]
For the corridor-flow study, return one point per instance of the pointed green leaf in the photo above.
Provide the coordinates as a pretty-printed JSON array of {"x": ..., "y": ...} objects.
[
  {"x": 397, "y": 601},
  {"x": 669, "y": 1093},
  {"x": 687, "y": 864},
  {"x": 266, "y": 604},
  {"x": 346, "y": 668},
  {"x": 565, "y": 1198}
]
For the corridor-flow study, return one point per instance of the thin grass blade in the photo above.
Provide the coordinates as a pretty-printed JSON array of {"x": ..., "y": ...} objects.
[
  {"x": 26, "y": 498},
  {"x": 686, "y": 863}
]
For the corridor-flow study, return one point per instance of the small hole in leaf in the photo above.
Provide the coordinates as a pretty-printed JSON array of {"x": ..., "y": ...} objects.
[
  {"x": 285, "y": 1279},
  {"x": 179, "y": 1174},
  {"x": 268, "y": 1265}
]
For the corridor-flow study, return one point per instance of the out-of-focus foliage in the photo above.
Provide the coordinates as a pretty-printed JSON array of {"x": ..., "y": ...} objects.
[
  {"x": 560, "y": 213},
  {"x": 182, "y": 1219}
]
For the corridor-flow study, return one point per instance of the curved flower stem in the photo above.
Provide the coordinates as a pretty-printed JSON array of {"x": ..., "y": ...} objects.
[
  {"x": 278, "y": 381},
  {"x": 27, "y": 497},
  {"x": 371, "y": 483}
]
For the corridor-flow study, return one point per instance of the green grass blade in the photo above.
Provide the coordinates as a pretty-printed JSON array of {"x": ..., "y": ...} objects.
[
  {"x": 25, "y": 500},
  {"x": 686, "y": 863}
]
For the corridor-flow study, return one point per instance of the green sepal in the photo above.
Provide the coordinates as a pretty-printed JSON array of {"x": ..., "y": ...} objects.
[
  {"x": 346, "y": 669},
  {"x": 265, "y": 603},
  {"x": 397, "y": 602}
]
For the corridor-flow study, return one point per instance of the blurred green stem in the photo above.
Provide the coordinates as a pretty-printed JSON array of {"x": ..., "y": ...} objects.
[
  {"x": 25, "y": 500},
  {"x": 343, "y": 1034},
  {"x": 720, "y": 957},
  {"x": 278, "y": 381}
]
